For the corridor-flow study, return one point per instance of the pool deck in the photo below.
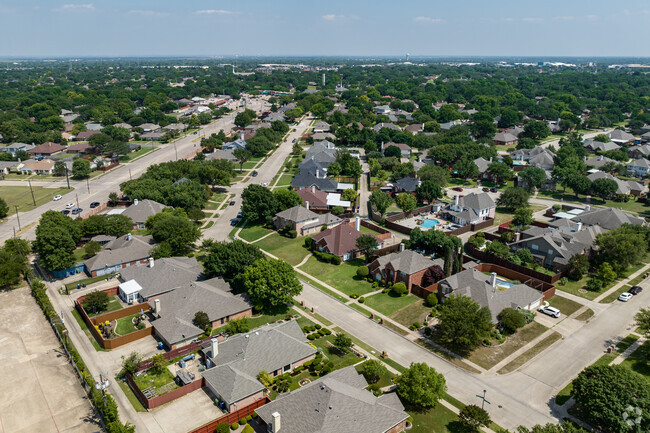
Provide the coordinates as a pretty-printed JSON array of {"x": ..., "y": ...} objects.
[{"x": 412, "y": 222}]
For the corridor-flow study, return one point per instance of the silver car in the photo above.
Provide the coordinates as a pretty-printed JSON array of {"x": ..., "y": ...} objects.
[{"x": 550, "y": 311}]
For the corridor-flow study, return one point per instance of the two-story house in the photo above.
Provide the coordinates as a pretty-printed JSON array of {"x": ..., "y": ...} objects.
[{"x": 471, "y": 209}]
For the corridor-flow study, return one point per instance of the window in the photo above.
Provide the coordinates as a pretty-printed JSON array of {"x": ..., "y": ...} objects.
[
  {"x": 550, "y": 252},
  {"x": 534, "y": 246},
  {"x": 286, "y": 368}
]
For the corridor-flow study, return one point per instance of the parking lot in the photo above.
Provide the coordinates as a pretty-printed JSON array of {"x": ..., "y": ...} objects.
[{"x": 41, "y": 392}]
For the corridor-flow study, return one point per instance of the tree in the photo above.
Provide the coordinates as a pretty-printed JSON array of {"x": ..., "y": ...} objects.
[
  {"x": 526, "y": 143},
  {"x": 421, "y": 386},
  {"x": 4, "y": 208},
  {"x": 406, "y": 202},
  {"x": 577, "y": 267},
  {"x": 473, "y": 418},
  {"x": 534, "y": 177},
  {"x": 92, "y": 248},
  {"x": 59, "y": 168},
  {"x": 196, "y": 214},
  {"x": 111, "y": 225},
  {"x": 523, "y": 217},
  {"x": 117, "y": 148},
  {"x": 565, "y": 427},
  {"x": 622, "y": 246},
  {"x": 201, "y": 320},
  {"x": 350, "y": 166},
  {"x": 380, "y": 201},
  {"x": 80, "y": 168},
  {"x": 432, "y": 300},
  {"x": 95, "y": 302},
  {"x": 258, "y": 204},
  {"x": 286, "y": 198},
  {"x": 158, "y": 363},
  {"x": 642, "y": 320},
  {"x": 367, "y": 244},
  {"x": 580, "y": 184},
  {"x": 393, "y": 151},
  {"x": 603, "y": 138},
  {"x": 238, "y": 326},
  {"x": 511, "y": 320},
  {"x": 463, "y": 323},
  {"x": 604, "y": 188},
  {"x": 242, "y": 156},
  {"x": 524, "y": 255},
  {"x": 270, "y": 283},
  {"x": 244, "y": 118},
  {"x": 228, "y": 259},
  {"x": 466, "y": 168},
  {"x": 113, "y": 198},
  {"x": 131, "y": 362},
  {"x": 513, "y": 198},
  {"x": 174, "y": 228},
  {"x": 606, "y": 273},
  {"x": 604, "y": 392},
  {"x": 428, "y": 191},
  {"x": 13, "y": 262},
  {"x": 500, "y": 171},
  {"x": 342, "y": 341},
  {"x": 437, "y": 174},
  {"x": 373, "y": 370},
  {"x": 498, "y": 249},
  {"x": 536, "y": 130},
  {"x": 349, "y": 195},
  {"x": 432, "y": 275},
  {"x": 56, "y": 238}
]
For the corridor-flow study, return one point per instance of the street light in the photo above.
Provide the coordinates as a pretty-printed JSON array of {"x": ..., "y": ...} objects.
[{"x": 482, "y": 397}]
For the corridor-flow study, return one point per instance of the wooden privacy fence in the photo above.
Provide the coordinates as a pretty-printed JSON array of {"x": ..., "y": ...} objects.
[
  {"x": 151, "y": 403},
  {"x": 232, "y": 416}
]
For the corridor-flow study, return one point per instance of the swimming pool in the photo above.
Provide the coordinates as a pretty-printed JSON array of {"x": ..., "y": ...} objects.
[
  {"x": 429, "y": 223},
  {"x": 503, "y": 283}
]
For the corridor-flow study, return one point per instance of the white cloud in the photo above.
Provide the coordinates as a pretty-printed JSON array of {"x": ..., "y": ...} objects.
[
  {"x": 592, "y": 17},
  {"x": 508, "y": 20},
  {"x": 71, "y": 7},
  {"x": 215, "y": 12},
  {"x": 532, "y": 20},
  {"x": 564, "y": 18},
  {"x": 339, "y": 18},
  {"x": 148, "y": 13},
  {"x": 329, "y": 17},
  {"x": 428, "y": 20}
]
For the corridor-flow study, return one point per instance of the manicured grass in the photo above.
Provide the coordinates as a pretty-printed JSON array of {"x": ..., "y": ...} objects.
[
  {"x": 125, "y": 326},
  {"x": 208, "y": 225},
  {"x": 488, "y": 357},
  {"x": 360, "y": 309},
  {"x": 384, "y": 380},
  {"x": 86, "y": 331},
  {"x": 303, "y": 321},
  {"x": 395, "y": 328},
  {"x": 21, "y": 197},
  {"x": 252, "y": 233},
  {"x": 157, "y": 381},
  {"x": 439, "y": 419},
  {"x": 577, "y": 288},
  {"x": 130, "y": 395},
  {"x": 387, "y": 303},
  {"x": 325, "y": 289},
  {"x": 341, "y": 277},
  {"x": 564, "y": 395},
  {"x": 638, "y": 360},
  {"x": 316, "y": 316},
  {"x": 143, "y": 151},
  {"x": 338, "y": 358},
  {"x": 292, "y": 251},
  {"x": 614, "y": 295},
  {"x": 585, "y": 315},
  {"x": 88, "y": 281},
  {"x": 565, "y": 305},
  {"x": 363, "y": 229},
  {"x": 285, "y": 180},
  {"x": 113, "y": 305},
  {"x": 415, "y": 312},
  {"x": 530, "y": 353}
]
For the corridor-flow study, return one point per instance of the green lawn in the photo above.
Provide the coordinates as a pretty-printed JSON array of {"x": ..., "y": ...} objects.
[
  {"x": 292, "y": 251},
  {"x": 21, "y": 197},
  {"x": 577, "y": 288},
  {"x": 341, "y": 277},
  {"x": 530, "y": 353},
  {"x": 338, "y": 358},
  {"x": 261, "y": 319},
  {"x": 565, "y": 305},
  {"x": 208, "y": 225},
  {"x": 638, "y": 360},
  {"x": 125, "y": 326},
  {"x": 251, "y": 233},
  {"x": 388, "y": 304},
  {"x": 436, "y": 420},
  {"x": 143, "y": 151},
  {"x": 157, "y": 381},
  {"x": 585, "y": 315},
  {"x": 88, "y": 281},
  {"x": 130, "y": 395},
  {"x": 215, "y": 201},
  {"x": 363, "y": 229},
  {"x": 614, "y": 295},
  {"x": 86, "y": 331},
  {"x": 113, "y": 305},
  {"x": 386, "y": 379},
  {"x": 360, "y": 309},
  {"x": 285, "y": 180},
  {"x": 414, "y": 312}
]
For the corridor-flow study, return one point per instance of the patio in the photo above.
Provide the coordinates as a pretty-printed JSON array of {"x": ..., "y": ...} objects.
[{"x": 427, "y": 221}]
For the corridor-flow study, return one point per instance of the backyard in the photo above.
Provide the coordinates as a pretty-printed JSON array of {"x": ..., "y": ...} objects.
[
  {"x": 125, "y": 325},
  {"x": 21, "y": 197},
  {"x": 113, "y": 305},
  {"x": 155, "y": 383},
  {"x": 342, "y": 277}
]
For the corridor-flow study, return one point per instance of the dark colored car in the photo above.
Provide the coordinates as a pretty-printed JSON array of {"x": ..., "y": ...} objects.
[
  {"x": 232, "y": 203},
  {"x": 255, "y": 173},
  {"x": 486, "y": 189},
  {"x": 457, "y": 188},
  {"x": 76, "y": 211},
  {"x": 65, "y": 212},
  {"x": 94, "y": 204},
  {"x": 635, "y": 290},
  {"x": 494, "y": 190}
]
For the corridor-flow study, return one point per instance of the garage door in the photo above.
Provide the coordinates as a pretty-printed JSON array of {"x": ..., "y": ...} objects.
[{"x": 534, "y": 305}]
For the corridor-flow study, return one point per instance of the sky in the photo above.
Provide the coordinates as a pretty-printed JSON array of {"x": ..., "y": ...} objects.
[{"x": 112, "y": 28}]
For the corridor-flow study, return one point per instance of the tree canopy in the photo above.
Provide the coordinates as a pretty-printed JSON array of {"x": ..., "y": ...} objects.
[
  {"x": 270, "y": 283},
  {"x": 421, "y": 386}
]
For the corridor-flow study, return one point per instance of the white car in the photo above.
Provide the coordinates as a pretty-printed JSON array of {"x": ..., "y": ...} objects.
[
  {"x": 550, "y": 311},
  {"x": 265, "y": 184},
  {"x": 69, "y": 205},
  {"x": 625, "y": 296},
  {"x": 57, "y": 197}
]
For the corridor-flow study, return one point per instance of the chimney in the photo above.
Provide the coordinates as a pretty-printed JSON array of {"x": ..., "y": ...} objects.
[
  {"x": 578, "y": 226},
  {"x": 307, "y": 205},
  {"x": 313, "y": 189},
  {"x": 156, "y": 308},
  {"x": 128, "y": 236},
  {"x": 587, "y": 208},
  {"x": 457, "y": 200},
  {"x": 600, "y": 157},
  {"x": 214, "y": 347},
  {"x": 135, "y": 202},
  {"x": 275, "y": 424},
  {"x": 241, "y": 135},
  {"x": 151, "y": 262},
  {"x": 517, "y": 236},
  {"x": 357, "y": 223},
  {"x": 493, "y": 279},
  {"x": 401, "y": 247},
  {"x": 317, "y": 174},
  {"x": 490, "y": 159}
]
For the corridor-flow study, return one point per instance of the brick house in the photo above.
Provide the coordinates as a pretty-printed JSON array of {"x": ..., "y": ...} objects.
[
  {"x": 406, "y": 266},
  {"x": 340, "y": 241},
  {"x": 123, "y": 252},
  {"x": 304, "y": 221}
]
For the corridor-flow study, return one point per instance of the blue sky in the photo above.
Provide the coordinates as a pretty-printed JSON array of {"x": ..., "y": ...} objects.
[{"x": 331, "y": 27}]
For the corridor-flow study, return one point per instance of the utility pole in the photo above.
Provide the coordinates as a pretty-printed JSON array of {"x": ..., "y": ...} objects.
[
  {"x": 67, "y": 179},
  {"x": 88, "y": 185},
  {"x": 76, "y": 196},
  {"x": 31, "y": 190},
  {"x": 175, "y": 151},
  {"x": 17, "y": 217},
  {"x": 130, "y": 178}
]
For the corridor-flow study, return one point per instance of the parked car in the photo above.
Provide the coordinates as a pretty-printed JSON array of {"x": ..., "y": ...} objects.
[
  {"x": 76, "y": 211},
  {"x": 265, "y": 184},
  {"x": 234, "y": 221},
  {"x": 625, "y": 296},
  {"x": 255, "y": 173},
  {"x": 94, "y": 204},
  {"x": 494, "y": 190},
  {"x": 69, "y": 205},
  {"x": 39, "y": 158},
  {"x": 457, "y": 188},
  {"x": 550, "y": 311},
  {"x": 486, "y": 189},
  {"x": 232, "y": 202},
  {"x": 57, "y": 197},
  {"x": 294, "y": 140},
  {"x": 65, "y": 212},
  {"x": 240, "y": 214},
  {"x": 635, "y": 290}
]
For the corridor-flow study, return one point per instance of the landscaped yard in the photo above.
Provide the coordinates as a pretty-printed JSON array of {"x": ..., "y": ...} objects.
[
  {"x": 113, "y": 305},
  {"x": 436, "y": 420},
  {"x": 215, "y": 201},
  {"x": 125, "y": 325},
  {"x": 565, "y": 305},
  {"x": 487, "y": 357},
  {"x": 577, "y": 288},
  {"x": 252, "y": 233},
  {"x": 638, "y": 360},
  {"x": 415, "y": 312},
  {"x": 386, "y": 379},
  {"x": 334, "y": 354},
  {"x": 388, "y": 303},
  {"x": 138, "y": 153},
  {"x": 86, "y": 331},
  {"x": 363, "y": 229},
  {"x": 292, "y": 251},
  {"x": 21, "y": 197},
  {"x": 157, "y": 381},
  {"x": 341, "y": 277}
]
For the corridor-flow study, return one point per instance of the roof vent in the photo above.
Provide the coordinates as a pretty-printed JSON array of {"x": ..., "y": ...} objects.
[
  {"x": 247, "y": 335},
  {"x": 257, "y": 333},
  {"x": 322, "y": 387}
]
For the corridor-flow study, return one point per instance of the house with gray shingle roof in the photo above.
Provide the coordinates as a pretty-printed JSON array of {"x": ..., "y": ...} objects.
[
  {"x": 140, "y": 210},
  {"x": 162, "y": 275},
  {"x": 378, "y": 127},
  {"x": 336, "y": 402},
  {"x": 639, "y": 167},
  {"x": 304, "y": 221},
  {"x": 470, "y": 209},
  {"x": 125, "y": 251},
  {"x": 406, "y": 184},
  {"x": 596, "y": 146},
  {"x": 505, "y": 138},
  {"x": 487, "y": 291},
  {"x": 598, "y": 161},
  {"x": 621, "y": 137},
  {"x": 15, "y": 147},
  {"x": 276, "y": 348},
  {"x": 317, "y": 180},
  {"x": 405, "y": 266}
]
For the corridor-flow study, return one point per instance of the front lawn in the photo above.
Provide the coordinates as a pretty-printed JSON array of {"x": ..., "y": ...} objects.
[
  {"x": 615, "y": 294},
  {"x": 530, "y": 353},
  {"x": 20, "y": 196},
  {"x": 292, "y": 251},
  {"x": 385, "y": 379},
  {"x": 388, "y": 303},
  {"x": 341, "y": 277},
  {"x": 339, "y": 359},
  {"x": 285, "y": 180},
  {"x": 439, "y": 419},
  {"x": 138, "y": 153},
  {"x": 638, "y": 360},
  {"x": 577, "y": 288},
  {"x": 252, "y": 233},
  {"x": 415, "y": 312},
  {"x": 565, "y": 305}
]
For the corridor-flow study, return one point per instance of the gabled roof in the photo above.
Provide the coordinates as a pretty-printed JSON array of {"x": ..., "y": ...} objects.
[
  {"x": 312, "y": 166},
  {"x": 167, "y": 274},
  {"x": 297, "y": 214},
  {"x": 620, "y": 136},
  {"x": 316, "y": 198},
  {"x": 142, "y": 210},
  {"x": 608, "y": 218},
  {"x": 81, "y": 147},
  {"x": 407, "y": 261},
  {"x": 44, "y": 164},
  {"x": 335, "y": 403},
  {"x": 482, "y": 164},
  {"x": 339, "y": 240},
  {"x": 378, "y": 127},
  {"x": 477, "y": 201},
  {"x": 504, "y": 137},
  {"x": 85, "y": 135},
  {"x": 407, "y": 184},
  {"x": 47, "y": 148},
  {"x": 542, "y": 159},
  {"x": 306, "y": 180},
  {"x": 641, "y": 162},
  {"x": 599, "y": 145},
  {"x": 121, "y": 250},
  {"x": 599, "y": 160}
]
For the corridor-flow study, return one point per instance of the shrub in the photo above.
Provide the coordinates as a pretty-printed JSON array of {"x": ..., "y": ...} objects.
[
  {"x": 375, "y": 284},
  {"x": 317, "y": 326},
  {"x": 362, "y": 300},
  {"x": 327, "y": 331},
  {"x": 399, "y": 289},
  {"x": 242, "y": 421},
  {"x": 292, "y": 234},
  {"x": 354, "y": 295},
  {"x": 222, "y": 428},
  {"x": 255, "y": 415},
  {"x": 234, "y": 426},
  {"x": 362, "y": 271},
  {"x": 385, "y": 291},
  {"x": 563, "y": 281},
  {"x": 141, "y": 325},
  {"x": 249, "y": 418},
  {"x": 335, "y": 260},
  {"x": 496, "y": 334},
  {"x": 415, "y": 326},
  {"x": 476, "y": 242},
  {"x": 427, "y": 331},
  {"x": 248, "y": 429},
  {"x": 529, "y": 316},
  {"x": 321, "y": 331},
  {"x": 432, "y": 300},
  {"x": 311, "y": 337},
  {"x": 308, "y": 243},
  {"x": 511, "y": 320}
]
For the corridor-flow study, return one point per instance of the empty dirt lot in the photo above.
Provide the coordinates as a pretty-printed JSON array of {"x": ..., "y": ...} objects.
[{"x": 40, "y": 392}]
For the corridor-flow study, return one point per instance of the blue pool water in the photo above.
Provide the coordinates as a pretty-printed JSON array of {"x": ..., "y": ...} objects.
[
  {"x": 503, "y": 283},
  {"x": 427, "y": 224}
]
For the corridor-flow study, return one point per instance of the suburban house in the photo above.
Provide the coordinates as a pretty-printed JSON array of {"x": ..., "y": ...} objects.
[
  {"x": 123, "y": 125},
  {"x": 7, "y": 166},
  {"x": 333, "y": 403},
  {"x": 639, "y": 167},
  {"x": 81, "y": 148},
  {"x": 125, "y": 251},
  {"x": 625, "y": 187},
  {"x": 313, "y": 167},
  {"x": 175, "y": 127},
  {"x": 621, "y": 137},
  {"x": 321, "y": 126},
  {"x": 381, "y": 109},
  {"x": 317, "y": 200},
  {"x": 46, "y": 149},
  {"x": 470, "y": 209},
  {"x": 505, "y": 139},
  {"x": 148, "y": 127},
  {"x": 340, "y": 241},
  {"x": 85, "y": 135},
  {"x": 406, "y": 184},
  {"x": 240, "y": 143},
  {"x": 608, "y": 218},
  {"x": 276, "y": 348},
  {"x": 415, "y": 128},
  {"x": 599, "y": 146},
  {"x": 221, "y": 154},
  {"x": 598, "y": 161},
  {"x": 639, "y": 151},
  {"x": 549, "y": 183},
  {"x": 485, "y": 290},
  {"x": 92, "y": 126},
  {"x": 378, "y": 127},
  {"x": 542, "y": 160},
  {"x": 314, "y": 180},
  {"x": 407, "y": 267},
  {"x": 175, "y": 310},
  {"x": 323, "y": 152},
  {"x": 528, "y": 154},
  {"x": 153, "y": 135},
  {"x": 31, "y": 166},
  {"x": 15, "y": 147},
  {"x": 160, "y": 276},
  {"x": 321, "y": 136},
  {"x": 404, "y": 148},
  {"x": 304, "y": 221},
  {"x": 140, "y": 210}
]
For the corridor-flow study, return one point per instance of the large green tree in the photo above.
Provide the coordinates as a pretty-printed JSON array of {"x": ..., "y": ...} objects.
[
  {"x": 80, "y": 168},
  {"x": 421, "y": 386},
  {"x": 500, "y": 171},
  {"x": 428, "y": 191},
  {"x": 13, "y": 262},
  {"x": 380, "y": 201},
  {"x": 513, "y": 198},
  {"x": 473, "y": 418},
  {"x": 435, "y": 173},
  {"x": 4, "y": 208},
  {"x": 367, "y": 244},
  {"x": 286, "y": 198},
  {"x": 463, "y": 323},
  {"x": 228, "y": 259},
  {"x": 623, "y": 247},
  {"x": 56, "y": 238},
  {"x": 534, "y": 177},
  {"x": 175, "y": 229},
  {"x": 259, "y": 205},
  {"x": 406, "y": 202},
  {"x": 270, "y": 283}
]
